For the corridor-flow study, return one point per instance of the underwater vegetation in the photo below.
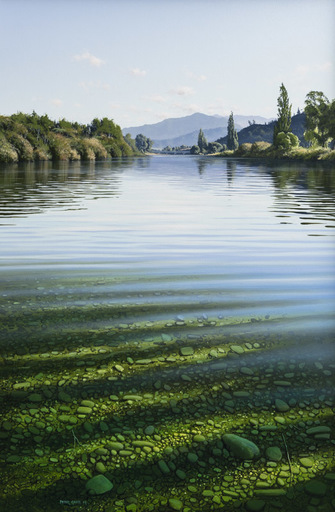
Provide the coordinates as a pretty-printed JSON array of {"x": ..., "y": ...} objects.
[{"x": 125, "y": 404}]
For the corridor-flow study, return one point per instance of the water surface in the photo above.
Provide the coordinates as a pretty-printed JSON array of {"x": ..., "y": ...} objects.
[{"x": 109, "y": 269}]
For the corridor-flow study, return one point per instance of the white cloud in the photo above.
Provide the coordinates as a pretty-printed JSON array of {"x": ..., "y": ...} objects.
[
  {"x": 157, "y": 98},
  {"x": 189, "y": 109},
  {"x": 182, "y": 91},
  {"x": 57, "y": 102},
  {"x": 115, "y": 106},
  {"x": 138, "y": 72},
  {"x": 326, "y": 66},
  {"x": 87, "y": 86},
  {"x": 198, "y": 78},
  {"x": 302, "y": 70},
  {"x": 92, "y": 59}
]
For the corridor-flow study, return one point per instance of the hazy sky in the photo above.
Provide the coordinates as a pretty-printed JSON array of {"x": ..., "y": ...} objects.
[{"x": 140, "y": 61}]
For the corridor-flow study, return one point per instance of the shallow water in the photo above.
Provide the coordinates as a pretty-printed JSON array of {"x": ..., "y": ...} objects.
[{"x": 108, "y": 270}]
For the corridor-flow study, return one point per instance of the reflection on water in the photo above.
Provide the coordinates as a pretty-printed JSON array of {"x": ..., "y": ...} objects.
[{"x": 150, "y": 306}]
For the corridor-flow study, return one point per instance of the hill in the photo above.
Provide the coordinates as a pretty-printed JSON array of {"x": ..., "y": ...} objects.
[
  {"x": 185, "y": 130},
  {"x": 264, "y": 132}
]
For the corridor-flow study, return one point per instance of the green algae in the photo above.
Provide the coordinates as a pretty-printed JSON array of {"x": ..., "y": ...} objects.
[{"x": 147, "y": 405}]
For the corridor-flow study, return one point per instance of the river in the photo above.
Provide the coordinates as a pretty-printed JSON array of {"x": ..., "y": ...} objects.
[{"x": 154, "y": 300}]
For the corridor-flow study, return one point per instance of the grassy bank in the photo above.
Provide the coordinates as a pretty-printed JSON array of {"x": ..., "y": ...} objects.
[{"x": 267, "y": 150}]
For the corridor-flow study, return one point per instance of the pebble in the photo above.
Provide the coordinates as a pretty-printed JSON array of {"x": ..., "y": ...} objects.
[
  {"x": 237, "y": 349},
  {"x": 186, "y": 351}
]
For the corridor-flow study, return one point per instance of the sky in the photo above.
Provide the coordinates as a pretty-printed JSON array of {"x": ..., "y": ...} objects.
[{"x": 141, "y": 61}]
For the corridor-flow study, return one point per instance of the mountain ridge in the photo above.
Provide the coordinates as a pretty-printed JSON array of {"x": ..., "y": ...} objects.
[{"x": 173, "y": 131}]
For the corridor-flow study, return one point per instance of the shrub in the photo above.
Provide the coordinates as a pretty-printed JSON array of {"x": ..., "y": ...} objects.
[
  {"x": 244, "y": 149},
  {"x": 41, "y": 153},
  {"x": 285, "y": 141},
  {"x": 60, "y": 148},
  {"x": 91, "y": 149},
  {"x": 22, "y": 146},
  {"x": 259, "y": 147},
  {"x": 8, "y": 154}
]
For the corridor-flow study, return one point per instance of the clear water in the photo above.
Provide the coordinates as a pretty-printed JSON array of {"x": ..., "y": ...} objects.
[
  {"x": 107, "y": 271},
  {"x": 192, "y": 236}
]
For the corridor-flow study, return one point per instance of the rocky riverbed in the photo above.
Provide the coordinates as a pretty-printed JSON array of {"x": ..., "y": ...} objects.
[{"x": 196, "y": 414}]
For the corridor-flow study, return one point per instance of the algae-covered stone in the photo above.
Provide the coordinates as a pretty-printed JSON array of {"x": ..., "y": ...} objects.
[
  {"x": 307, "y": 462},
  {"x": 100, "y": 467},
  {"x": 84, "y": 410},
  {"x": 241, "y": 447},
  {"x": 163, "y": 467},
  {"x": 150, "y": 429},
  {"x": 186, "y": 351},
  {"x": 255, "y": 505},
  {"x": 64, "y": 397},
  {"x": 316, "y": 488},
  {"x": 181, "y": 474},
  {"x": 318, "y": 430},
  {"x": 98, "y": 485},
  {"x": 270, "y": 493},
  {"x": 237, "y": 349},
  {"x": 35, "y": 397},
  {"x": 199, "y": 438},
  {"x": 175, "y": 504},
  {"x": 281, "y": 406},
  {"x": 192, "y": 457},
  {"x": 274, "y": 453}
]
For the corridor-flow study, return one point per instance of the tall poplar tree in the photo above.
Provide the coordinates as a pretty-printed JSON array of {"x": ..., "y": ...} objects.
[
  {"x": 202, "y": 141},
  {"x": 283, "y": 123},
  {"x": 232, "y": 140}
]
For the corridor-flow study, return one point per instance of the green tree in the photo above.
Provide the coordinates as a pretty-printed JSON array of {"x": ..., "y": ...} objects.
[
  {"x": 195, "y": 150},
  {"x": 283, "y": 123},
  {"x": 320, "y": 124},
  {"x": 202, "y": 141},
  {"x": 214, "y": 147},
  {"x": 232, "y": 139},
  {"x": 143, "y": 143}
]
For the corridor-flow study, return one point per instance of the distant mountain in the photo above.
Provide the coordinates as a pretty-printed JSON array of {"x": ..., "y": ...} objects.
[
  {"x": 189, "y": 139},
  {"x": 184, "y": 130},
  {"x": 264, "y": 132}
]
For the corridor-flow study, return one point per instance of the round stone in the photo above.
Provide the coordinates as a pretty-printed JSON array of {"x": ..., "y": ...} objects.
[
  {"x": 274, "y": 453},
  {"x": 175, "y": 504}
]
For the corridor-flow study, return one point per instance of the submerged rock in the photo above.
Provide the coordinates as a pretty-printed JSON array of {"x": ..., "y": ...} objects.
[
  {"x": 281, "y": 406},
  {"x": 274, "y": 453},
  {"x": 99, "y": 485},
  {"x": 315, "y": 488},
  {"x": 241, "y": 447},
  {"x": 186, "y": 351},
  {"x": 175, "y": 504}
]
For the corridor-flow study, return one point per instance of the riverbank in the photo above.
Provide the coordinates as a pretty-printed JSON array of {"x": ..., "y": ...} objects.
[{"x": 266, "y": 150}]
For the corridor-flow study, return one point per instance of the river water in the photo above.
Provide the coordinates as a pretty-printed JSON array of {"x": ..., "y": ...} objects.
[{"x": 108, "y": 263}]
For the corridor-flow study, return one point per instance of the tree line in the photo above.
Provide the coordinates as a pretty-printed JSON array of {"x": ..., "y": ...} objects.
[
  {"x": 319, "y": 130},
  {"x": 29, "y": 137}
]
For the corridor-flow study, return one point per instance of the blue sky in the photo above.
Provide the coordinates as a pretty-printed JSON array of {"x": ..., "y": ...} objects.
[{"x": 141, "y": 61}]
